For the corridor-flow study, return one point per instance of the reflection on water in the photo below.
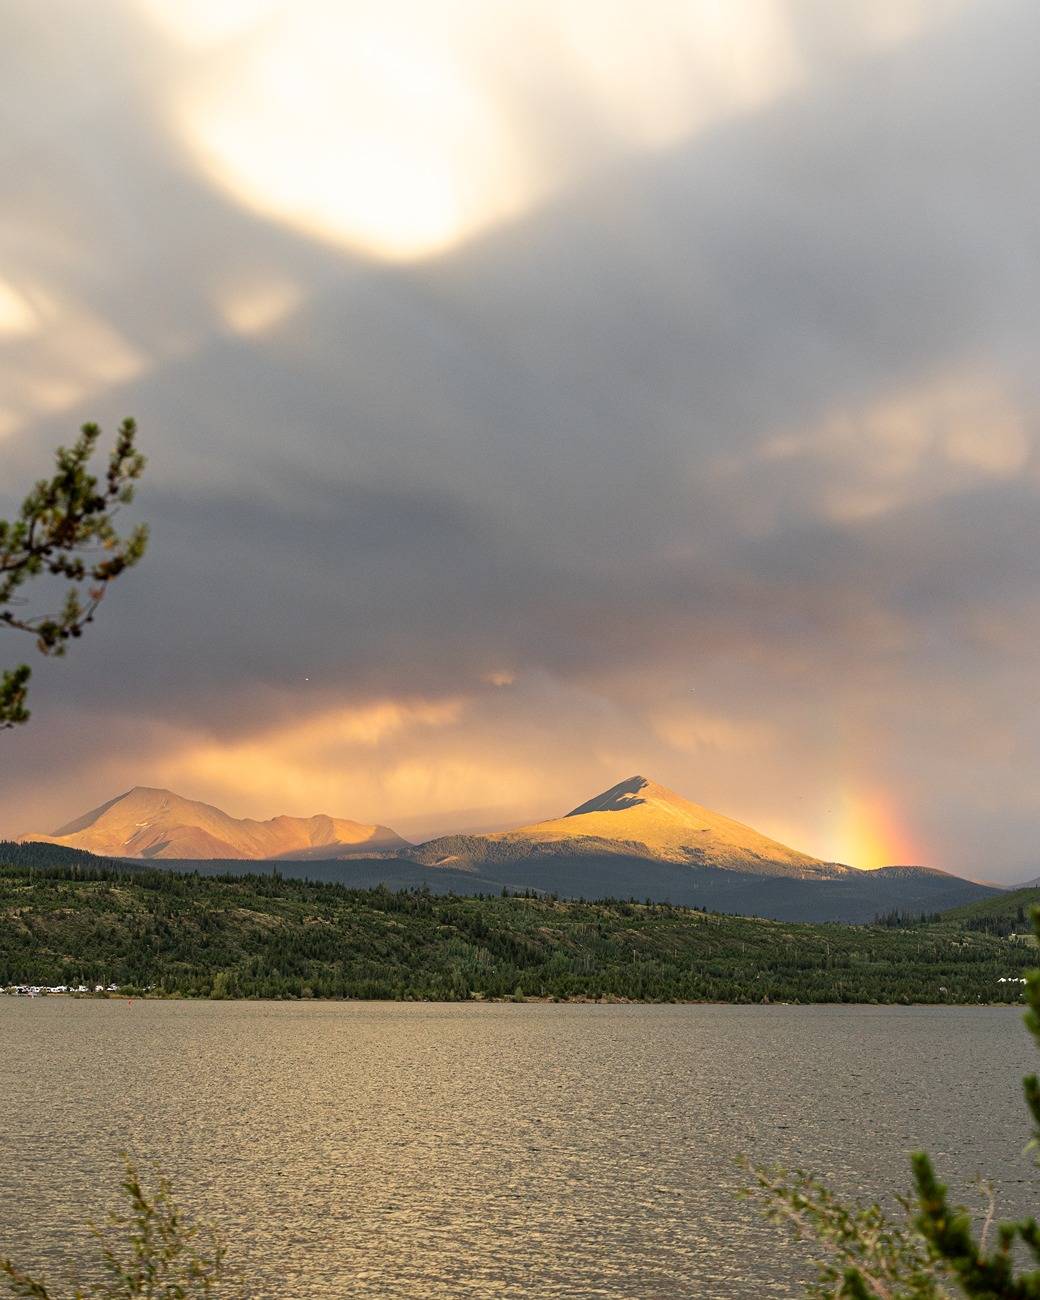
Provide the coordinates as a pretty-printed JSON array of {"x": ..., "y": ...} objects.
[{"x": 397, "y": 1150}]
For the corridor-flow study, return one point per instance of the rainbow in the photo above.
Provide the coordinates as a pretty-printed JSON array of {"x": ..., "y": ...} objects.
[{"x": 867, "y": 829}]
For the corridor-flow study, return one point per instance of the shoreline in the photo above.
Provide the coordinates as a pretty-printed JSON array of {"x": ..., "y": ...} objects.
[{"x": 134, "y": 996}]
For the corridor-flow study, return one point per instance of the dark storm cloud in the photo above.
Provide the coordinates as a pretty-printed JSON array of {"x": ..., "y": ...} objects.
[{"x": 550, "y": 448}]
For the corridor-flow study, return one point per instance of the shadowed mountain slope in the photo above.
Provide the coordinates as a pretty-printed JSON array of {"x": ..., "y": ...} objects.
[{"x": 858, "y": 897}]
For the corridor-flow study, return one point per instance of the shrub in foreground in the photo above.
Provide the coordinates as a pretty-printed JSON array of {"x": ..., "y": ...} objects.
[
  {"x": 150, "y": 1250},
  {"x": 931, "y": 1249}
]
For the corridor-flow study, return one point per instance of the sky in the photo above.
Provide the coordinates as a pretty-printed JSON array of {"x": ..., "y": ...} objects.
[{"x": 537, "y": 393}]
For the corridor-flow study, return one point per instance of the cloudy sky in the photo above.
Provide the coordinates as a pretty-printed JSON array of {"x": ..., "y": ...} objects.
[{"x": 538, "y": 392}]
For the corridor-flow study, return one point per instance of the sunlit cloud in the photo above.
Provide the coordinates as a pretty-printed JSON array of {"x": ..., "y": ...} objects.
[
  {"x": 66, "y": 355},
  {"x": 303, "y": 761},
  {"x": 202, "y": 23},
  {"x": 360, "y": 125},
  {"x": 16, "y": 314},
  {"x": 399, "y": 128},
  {"x": 253, "y": 307},
  {"x": 939, "y": 435},
  {"x": 412, "y": 764},
  {"x": 657, "y": 82},
  {"x": 691, "y": 730},
  {"x": 445, "y": 782},
  {"x": 893, "y": 22}
]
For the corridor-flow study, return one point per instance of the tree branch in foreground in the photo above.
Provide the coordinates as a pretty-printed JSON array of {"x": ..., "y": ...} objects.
[{"x": 65, "y": 529}]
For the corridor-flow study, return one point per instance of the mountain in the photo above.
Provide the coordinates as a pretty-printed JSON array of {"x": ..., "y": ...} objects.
[
  {"x": 636, "y": 818},
  {"x": 641, "y": 840},
  {"x": 635, "y": 840},
  {"x": 147, "y": 823}
]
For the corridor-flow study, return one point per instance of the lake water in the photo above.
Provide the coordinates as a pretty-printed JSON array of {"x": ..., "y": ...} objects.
[{"x": 404, "y": 1150}]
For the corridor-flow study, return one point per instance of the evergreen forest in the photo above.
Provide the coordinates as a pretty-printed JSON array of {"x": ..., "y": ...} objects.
[{"x": 77, "y": 920}]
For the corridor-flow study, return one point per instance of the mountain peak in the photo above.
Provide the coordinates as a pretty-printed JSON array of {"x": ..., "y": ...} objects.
[
  {"x": 626, "y": 794},
  {"x": 150, "y": 822},
  {"x": 638, "y": 817}
]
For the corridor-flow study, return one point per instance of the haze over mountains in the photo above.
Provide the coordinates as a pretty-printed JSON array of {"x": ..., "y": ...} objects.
[{"x": 637, "y": 839}]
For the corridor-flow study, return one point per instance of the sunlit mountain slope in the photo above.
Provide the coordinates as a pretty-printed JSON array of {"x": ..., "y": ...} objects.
[
  {"x": 637, "y": 818},
  {"x": 147, "y": 823}
]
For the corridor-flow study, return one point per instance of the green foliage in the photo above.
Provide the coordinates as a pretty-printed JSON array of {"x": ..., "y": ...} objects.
[
  {"x": 870, "y": 1253},
  {"x": 65, "y": 529},
  {"x": 38, "y": 853},
  {"x": 14, "y": 688},
  {"x": 933, "y": 1252},
  {"x": 148, "y": 1251},
  {"x": 1007, "y": 913},
  {"x": 69, "y": 919}
]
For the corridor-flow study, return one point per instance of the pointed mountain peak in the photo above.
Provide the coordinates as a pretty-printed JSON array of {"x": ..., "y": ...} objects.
[
  {"x": 625, "y": 795},
  {"x": 86, "y": 819},
  {"x": 139, "y": 800},
  {"x": 638, "y": 816}
]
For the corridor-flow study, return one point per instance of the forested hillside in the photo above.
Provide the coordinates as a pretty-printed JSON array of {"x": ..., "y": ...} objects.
[
  {"x": 35, "y": 853},
  {"x": 457, "y": 867},
  {"x": 265, "y": 936},
  {"x": 1004, "y": 914}
]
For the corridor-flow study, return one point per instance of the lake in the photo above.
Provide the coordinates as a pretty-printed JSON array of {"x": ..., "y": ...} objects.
[{"x": 416, "y": 1150}]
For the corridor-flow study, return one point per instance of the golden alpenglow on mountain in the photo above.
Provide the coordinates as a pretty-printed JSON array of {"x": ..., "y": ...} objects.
[
  {"x": 416, "y": 418},
  {"x": 636, "y": 815},
  {"x": 639, "y": 818},
  {"x": 145, "y": 823},
  {"x": 636, "y": 839},
  {"x": 664, "y": 825}
]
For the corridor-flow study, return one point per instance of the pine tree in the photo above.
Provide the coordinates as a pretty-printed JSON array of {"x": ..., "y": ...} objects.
[{"x": 65, "y": 529}]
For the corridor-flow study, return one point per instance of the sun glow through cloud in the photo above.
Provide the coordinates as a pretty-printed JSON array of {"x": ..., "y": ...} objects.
[
  {"x": 408, "y": 762},
  {"x": 401, "y": 128},
  {"x": 364, "y": 128},
  {"x": 397, "y": 128}
]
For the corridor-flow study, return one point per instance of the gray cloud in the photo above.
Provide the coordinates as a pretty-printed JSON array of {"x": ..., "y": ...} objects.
[{"x": 554, "y": 448}]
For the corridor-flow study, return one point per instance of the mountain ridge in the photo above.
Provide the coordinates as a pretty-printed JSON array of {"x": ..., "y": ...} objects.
[
  {"x": 150, "y": 822},
  {"x": 635, "y": 840}
]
